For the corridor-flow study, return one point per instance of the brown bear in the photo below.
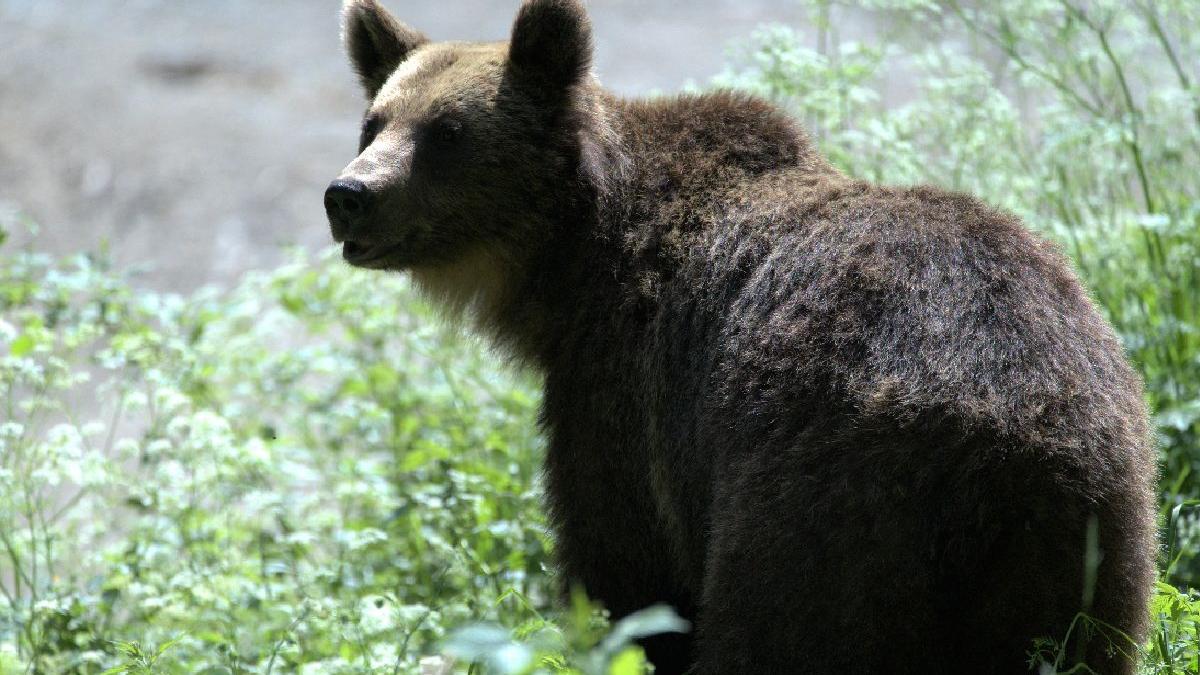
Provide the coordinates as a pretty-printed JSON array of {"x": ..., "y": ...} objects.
[{"x": 841, "y": 427}]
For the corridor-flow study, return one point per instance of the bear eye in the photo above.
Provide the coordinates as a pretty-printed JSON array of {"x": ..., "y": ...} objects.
[
  {"x": 448, "y": 130},
  {"x": 370, "y": 129}
]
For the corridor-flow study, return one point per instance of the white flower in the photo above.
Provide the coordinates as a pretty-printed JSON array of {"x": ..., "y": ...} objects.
[
  {"x": 377, "y": 614},
  {"x": 93, "y": 428},
  {"x": 355, "y": 540},
  {"x": 159, "y": 446},
  {"x": 46, "y": 476},
  {"x": 125, "y": 447},
  {"x": 135, "y": 400},
  {"x": 301, "y": 537},
  {"x": 173, "y": 472},
  {"x": 66, "y": 440},
  {"x": 168, "y": 400},
  {"x": 257, "y": 452}
]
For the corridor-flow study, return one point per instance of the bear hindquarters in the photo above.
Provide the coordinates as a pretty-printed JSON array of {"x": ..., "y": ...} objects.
[
  {"x": 1050, "y": 555},
  {"x": 899, "y": 553}
]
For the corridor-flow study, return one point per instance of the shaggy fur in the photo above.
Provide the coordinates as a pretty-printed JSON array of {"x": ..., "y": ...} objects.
[{"x": 843, "y": 428}]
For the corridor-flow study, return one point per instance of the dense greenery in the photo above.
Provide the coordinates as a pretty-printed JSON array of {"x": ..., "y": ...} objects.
[
  {"x": 306, "y": 473},
  {"x": 305, "y": 470}
]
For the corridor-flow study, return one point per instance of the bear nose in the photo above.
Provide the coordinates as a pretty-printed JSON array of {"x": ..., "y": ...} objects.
[{"x": 347, "y": 203}]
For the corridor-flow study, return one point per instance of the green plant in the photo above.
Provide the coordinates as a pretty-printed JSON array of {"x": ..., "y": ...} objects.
[
  {"x": 263, "y": 505},
  {"x": 308, "y": 473},
  {"x": 288, "y": 475}
]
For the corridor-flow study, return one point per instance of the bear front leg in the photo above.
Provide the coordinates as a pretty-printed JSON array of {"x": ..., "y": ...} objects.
[{"x": 609, "y": 543}]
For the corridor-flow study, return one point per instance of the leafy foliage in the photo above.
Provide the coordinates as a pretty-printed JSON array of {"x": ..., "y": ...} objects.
[
  {"x": 291, "y": 475},
  {"x": 306, "y": 473}
]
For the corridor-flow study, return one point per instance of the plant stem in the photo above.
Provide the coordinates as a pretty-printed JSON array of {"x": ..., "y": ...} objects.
[
  {"x": 1130, "y": 105},
  {"x": 1057, "y": 82},
  {"x": 1151, "y": 14}
]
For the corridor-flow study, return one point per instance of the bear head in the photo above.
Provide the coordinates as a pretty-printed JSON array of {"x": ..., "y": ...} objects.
[{"x": 464, "y": 146}]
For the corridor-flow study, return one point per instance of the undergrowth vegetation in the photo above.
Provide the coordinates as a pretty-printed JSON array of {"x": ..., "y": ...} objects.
[{"x": 306, "y": 473}]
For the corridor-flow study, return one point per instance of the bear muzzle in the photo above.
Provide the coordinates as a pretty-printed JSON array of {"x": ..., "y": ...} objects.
[{"x": 348, "y": 203}]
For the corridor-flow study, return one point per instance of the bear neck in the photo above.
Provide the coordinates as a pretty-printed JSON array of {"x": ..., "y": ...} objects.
[{"x": 648, "y": 171}]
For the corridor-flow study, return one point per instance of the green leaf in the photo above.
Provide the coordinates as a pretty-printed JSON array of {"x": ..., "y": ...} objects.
[
  {"x": 491, "y": 644},
  {"x": 631, "y": 661},
  {"x": 654, "y": 620},
  {"x": 22, "y": 345}
]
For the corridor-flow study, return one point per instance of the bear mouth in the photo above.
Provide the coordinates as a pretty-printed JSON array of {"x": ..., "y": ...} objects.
[{"x": 368, "y": 255}]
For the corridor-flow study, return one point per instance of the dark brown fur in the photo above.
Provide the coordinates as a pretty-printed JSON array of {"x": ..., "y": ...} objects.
[{"x": 842, "y": 427}]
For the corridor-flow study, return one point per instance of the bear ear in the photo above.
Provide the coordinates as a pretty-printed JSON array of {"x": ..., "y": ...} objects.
[
  {"x": 376, "y": 41},
  {"x": 551, "y": 43}
]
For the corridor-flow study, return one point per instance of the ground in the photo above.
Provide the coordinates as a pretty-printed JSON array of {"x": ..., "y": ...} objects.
[{"x": 195, "y": 138}]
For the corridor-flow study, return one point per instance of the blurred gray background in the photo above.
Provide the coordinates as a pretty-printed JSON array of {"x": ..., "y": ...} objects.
[{"x": 196, "y": 138}]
